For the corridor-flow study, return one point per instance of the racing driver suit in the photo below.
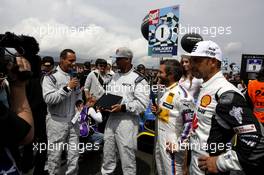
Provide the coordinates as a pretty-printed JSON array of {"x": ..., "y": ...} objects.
[
  {"x": 176, "y": 109},
  {"x": 122, "y": 127},
  {"x": 223, "y": 113},
  {"x": 62, "y": 133}
]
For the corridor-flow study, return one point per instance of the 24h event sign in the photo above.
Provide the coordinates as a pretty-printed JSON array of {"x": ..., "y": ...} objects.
[{"x": 163, "y": 32}]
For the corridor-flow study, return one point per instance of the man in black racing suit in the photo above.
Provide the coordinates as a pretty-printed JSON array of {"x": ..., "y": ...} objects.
[{"x": 222, "y": 113}]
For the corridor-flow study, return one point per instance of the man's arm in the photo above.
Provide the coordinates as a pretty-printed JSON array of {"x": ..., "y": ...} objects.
[
  {"x": 232, "y": 108},
  {"x": 140, "y": 100},
  {"x": 52, "y": 95},
  {"x": 17, "y": 123},
  {"x": 138, "y": 104},
  {"x": 87, "y": 85}
]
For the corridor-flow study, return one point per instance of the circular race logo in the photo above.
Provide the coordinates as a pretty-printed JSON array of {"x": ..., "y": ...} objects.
[
  {"x": 205, "y": 101},
  {"x": 163, "y": 32}
]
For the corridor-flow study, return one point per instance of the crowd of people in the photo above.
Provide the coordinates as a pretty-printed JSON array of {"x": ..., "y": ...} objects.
[{"x": 206, "y": 122}]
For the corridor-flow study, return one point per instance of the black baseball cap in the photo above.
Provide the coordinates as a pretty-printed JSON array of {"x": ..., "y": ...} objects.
[{"x": 47, "y": 61}]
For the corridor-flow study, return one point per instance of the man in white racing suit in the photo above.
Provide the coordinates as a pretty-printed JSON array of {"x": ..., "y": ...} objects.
[
  {"x": 122, "y": 126},
  {"x": 175, "y": 113},
  {"x": 222, "y": 112},
  {"x": 60, "y": 92}
]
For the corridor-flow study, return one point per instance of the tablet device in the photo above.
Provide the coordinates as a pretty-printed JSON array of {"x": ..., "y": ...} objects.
[{"x": 108, "y": 100}]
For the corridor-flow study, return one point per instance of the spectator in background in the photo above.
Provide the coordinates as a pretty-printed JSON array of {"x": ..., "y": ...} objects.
[
  {"x": 47, "y": 65},
  {"x": 226, "y": 75},
  {"x": 188, "y": 81},
  {"x": 97, "y": 80},
  {"x": 256, "y": 94},
  {"x": 109, "y": 69},
  {"x": 60, "y": 92},
  {"x": 239, "y": 83},
  {"x": 85, "y": 73},
  {"x": 89, "y": 116},
  {"x": 95, "y": 86},
  {"x": 141, "y": 69}
]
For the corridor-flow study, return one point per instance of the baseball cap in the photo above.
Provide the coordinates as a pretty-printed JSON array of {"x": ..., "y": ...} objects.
[
  {"x": 123, "y": 52},
  {"x": 47, "y": 61},
  {"x": 206, "y": 49}
]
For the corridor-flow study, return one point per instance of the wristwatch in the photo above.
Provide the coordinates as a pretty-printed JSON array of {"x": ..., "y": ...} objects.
[{"x": 67, "y": 89}]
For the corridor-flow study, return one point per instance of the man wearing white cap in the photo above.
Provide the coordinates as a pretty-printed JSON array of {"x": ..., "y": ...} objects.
[
  {"x": 122, "y": 126},
  {"x": 222, "y": 112}
]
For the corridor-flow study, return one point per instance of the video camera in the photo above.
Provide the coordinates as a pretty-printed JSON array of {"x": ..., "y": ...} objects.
[{"x": 25, "y": 46}]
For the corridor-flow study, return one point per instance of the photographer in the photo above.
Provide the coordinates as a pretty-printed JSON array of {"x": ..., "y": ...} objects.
[{"x": 16, "y": 122}]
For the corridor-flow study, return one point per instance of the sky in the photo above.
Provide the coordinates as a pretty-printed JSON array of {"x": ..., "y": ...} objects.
[{"x": 96, "y": 28}]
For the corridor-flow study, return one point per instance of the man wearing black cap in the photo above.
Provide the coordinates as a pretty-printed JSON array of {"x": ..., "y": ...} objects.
[
  {"x": 122, "y": 126},
  {"x": 47, "y": 64}
]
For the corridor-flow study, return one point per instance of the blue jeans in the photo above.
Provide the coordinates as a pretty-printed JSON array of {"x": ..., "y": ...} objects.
[{"x": 97, "y": 137}]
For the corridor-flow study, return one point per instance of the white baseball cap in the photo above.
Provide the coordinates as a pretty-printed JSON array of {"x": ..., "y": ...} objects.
[
  {"x": 123, "y": 52},
  {"x": 206, "y": 49}
]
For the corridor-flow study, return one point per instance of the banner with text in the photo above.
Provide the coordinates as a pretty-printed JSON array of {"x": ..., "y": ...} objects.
[{"x": 163, "y": 32}]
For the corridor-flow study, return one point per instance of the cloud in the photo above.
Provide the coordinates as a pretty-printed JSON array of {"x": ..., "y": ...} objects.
[
  {"x": 233, "y": 47},
  {"x": 117, "y": 23},
  {"x": 90, "y": 41}
]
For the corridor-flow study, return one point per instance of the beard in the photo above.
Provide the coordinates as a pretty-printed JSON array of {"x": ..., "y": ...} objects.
[{"x": 164, "y": 81}]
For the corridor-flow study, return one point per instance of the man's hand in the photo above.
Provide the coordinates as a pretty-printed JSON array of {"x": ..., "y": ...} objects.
[
  {"x": 91, "y": 101},
  {"x": 208, "y": 164},
  {"x": 23, "y": 65},
  {"x": 115, "y": 108},
  {"x": 154, "y": 109},
  {"x": 73, "y": 83}
]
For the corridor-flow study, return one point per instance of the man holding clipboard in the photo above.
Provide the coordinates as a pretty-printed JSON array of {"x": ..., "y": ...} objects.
[{"x": 122, "y": 126}]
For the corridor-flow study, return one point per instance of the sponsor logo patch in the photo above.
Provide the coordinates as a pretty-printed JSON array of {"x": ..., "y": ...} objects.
[
  {"x": 237, "y": 113},
  {"x": 167, "y": 105},
  {"x": 245, "y": 129},
  {"x": 201, "y": 110},
  {"x": 206, "y": 100}
]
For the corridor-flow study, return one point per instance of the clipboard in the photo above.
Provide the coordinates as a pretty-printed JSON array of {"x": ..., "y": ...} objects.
[{"x": 108, "y": 100}]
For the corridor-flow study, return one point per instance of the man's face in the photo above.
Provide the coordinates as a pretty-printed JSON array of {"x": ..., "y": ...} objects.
[
  {"x": 122, "y": 63},
  {"x": 68, "y": 62},
  {"x": 201, "y": 67},
  {"x": 163, "y": 77},
  {"x": 102, "y": 68}
]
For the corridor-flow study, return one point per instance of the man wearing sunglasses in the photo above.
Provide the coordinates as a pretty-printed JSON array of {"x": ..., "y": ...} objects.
[{"x": 96, "y": 81}]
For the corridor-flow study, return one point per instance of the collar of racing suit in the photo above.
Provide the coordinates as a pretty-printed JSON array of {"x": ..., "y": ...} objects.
[
  {"x": 61, "y": 71},
  {"x": 171, "y": 86},
  {"x": 132, "y": 69}
]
